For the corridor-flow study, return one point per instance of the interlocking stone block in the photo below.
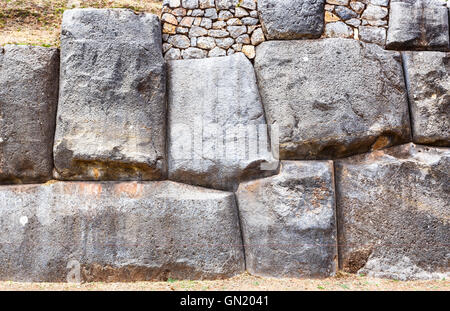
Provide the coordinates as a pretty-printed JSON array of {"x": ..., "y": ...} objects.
[
  {"x": 28, "y": 101},
  {"x": 217, "y": 130},
  {"x": 112, "y": 109},
  {"x": 129, "y": 231},
  {"x": 418, "y": 25},
  {"x": 393, "y": 209},
  {"x": 428, "y": 80},
  {"x": 288, "y": 221},
  {"x": 292, "y": 19},
  {"x": 333, "y": 97}
]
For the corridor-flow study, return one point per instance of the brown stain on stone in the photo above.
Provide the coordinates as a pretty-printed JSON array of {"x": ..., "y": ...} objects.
[{"x": 131, "y": 189}]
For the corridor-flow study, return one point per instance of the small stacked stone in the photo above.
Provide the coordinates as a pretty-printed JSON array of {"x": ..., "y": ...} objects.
[
  {"x": 365, "y": 20},
  {"x": 210, "y": 28}
]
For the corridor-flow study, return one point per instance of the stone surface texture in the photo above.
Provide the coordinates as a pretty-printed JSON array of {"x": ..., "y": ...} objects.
[
  {"x": 363, "y": 20},
  {"x": 418, "y": 25},
  {"x": 356, "y": 102},
  {"x": 130, "y": 231},
  {"x": 292, "y": 19},
  {"x": 393, "y": 209},
  {"x": 208, "y": 27},
  {"x": 28, "y": 101},
  {"x": 112, "y": 111},
  {"x": 217, "y": 130},
  {"x": 288, "y": 221},
  {"x": 428, "y": 80}
]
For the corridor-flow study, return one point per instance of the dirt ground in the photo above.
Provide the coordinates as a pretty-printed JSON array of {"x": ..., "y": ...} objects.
[
  {"x": 37, "y": 22},
  {"x": 247, "y": 282}
]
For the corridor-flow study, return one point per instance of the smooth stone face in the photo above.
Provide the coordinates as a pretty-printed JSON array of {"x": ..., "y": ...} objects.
[
  {"x": 28, "y": 101},
  {"x": 288, "y": 221},
  {"x": 418, "y": 25},
  {"x": 428, "y": 81},
  {"x": 393, "y": 213},
  {"x": 129, "y": 231},
  {"x": 112, "y": 110},
  {"x": 292, "y": 19},
  {"x": 356, "y": 102},
  {"x": 214, "y": 114}
]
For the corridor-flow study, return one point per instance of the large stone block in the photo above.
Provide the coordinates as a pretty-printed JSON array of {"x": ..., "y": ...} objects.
[
  {"x": 112, "y": 110},
  {"x": 393, "y": 209},
  {"x": 217, "y": 130},
  {"x": 110, "y": 231},
  {"x": 332, "y": 97},
  {"x": 428, "y": 81},
  {"x": 292, "y": 19},
  {"x": 418, "y": 25},
  {"x": 28, "y": 101},
  {"x": 288, "y": 221}
]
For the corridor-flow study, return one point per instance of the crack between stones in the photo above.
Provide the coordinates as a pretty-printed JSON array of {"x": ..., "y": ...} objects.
[{"x": 240, "y": 229}]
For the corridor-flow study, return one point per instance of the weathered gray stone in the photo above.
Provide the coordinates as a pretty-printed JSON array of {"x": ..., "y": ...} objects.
[
  {"x": 393, "y": 209},
  {"x": 197, "y": 13},
  {"x": 248, "y": 4},
  {"x": 172, "y": 53},
  {"x": 374, "y": 12},
  {"x": 211, "y": 13},
  {"x": 418, "y": 25},
  {"x": 214, "y": 106},
  {"x": 224, "y": 43},
  {"x": 241, "y": 12},
  {"x": 345, "y": 13},
  {"x": 193, "y": 53},
  {"x": 218, "y": 33},
  {"x": 206, "y": 4},
  {"x": 291, "y": 19},
  {"x": 338, "y": 30},
  {"x": 226, "y": 4},
  {"x": 129, "y": 231},
  {"x": 28, "y": 101},
  {"x": 236, "y": 31},
  {"x": 206, "y": 23},
  {"x": 189, "y": 4},
  {"x": 244, "y": 39},
  {"x": 288, "y": 221},
  {"x": 355, "y": 22},
  {"x": 257, "y": 36},
  {"x": 356, "y": 102},
  {"x": 112, "y": 110},
  {"x": 217, "y": 52},
  {"x": 372, "y": 34},
  {"x": 206, "y": 43},
  {"x": 357, "y": 6},
  {"x": 428, "y": 81},
  {"x": 250, "y": 21},
  {"x": 225, "y": 15},
  {"x": 197, "y": 31}
]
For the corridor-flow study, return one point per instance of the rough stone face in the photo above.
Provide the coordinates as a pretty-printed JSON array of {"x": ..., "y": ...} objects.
[
  {"x": 393, "y": 213},
  {"x": 356, "y": 102},
  {"x": 112, "y": 110},
  {"x": 338, "y": 30},
  {"x": 118, "y": 232},
  {"x": 428, "y": 80},
  {"x": 288, "y": 221},
  {"x": 28, "y": 101},
  {"x": 372, "y": 34},
  {"x": 214, "y": 106},
  {"x": 418, "y": 25},
  {"x": 291, "y": 19}
]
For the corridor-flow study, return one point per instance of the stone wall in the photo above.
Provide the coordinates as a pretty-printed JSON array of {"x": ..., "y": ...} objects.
[
  {"x": 209, "y": 28},
  {"x": 319, "y": 155}
]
